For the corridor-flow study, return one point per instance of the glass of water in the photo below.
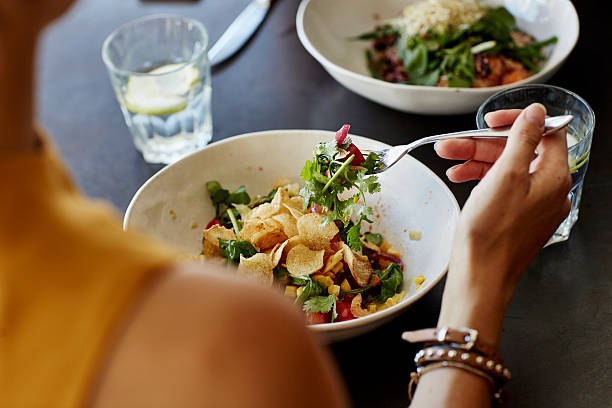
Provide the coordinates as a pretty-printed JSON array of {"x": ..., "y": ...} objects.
[
  {"x": 558, "y": 101},
  {"x": 159, "y": 69}
]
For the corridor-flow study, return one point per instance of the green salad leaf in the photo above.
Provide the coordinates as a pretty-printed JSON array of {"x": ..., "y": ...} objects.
[
  {"x": 322, "y": 304},
  {"x": 312, "y": 288},
  {"x": 390, "y": 283},
  {"x": 232, "y": 249},
  {"x": 426, "y": 57},
  {"x": 376, "y": 239},
  {"x": 332, "y": 173}
]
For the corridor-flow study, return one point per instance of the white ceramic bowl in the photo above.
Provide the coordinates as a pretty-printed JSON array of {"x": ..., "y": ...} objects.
[
  {"x": 413, "y": 198},
  {"x": 324, "y": 27}
]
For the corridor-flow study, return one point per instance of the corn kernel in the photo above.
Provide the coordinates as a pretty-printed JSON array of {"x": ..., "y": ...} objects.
[
  {"x": 338, "y": 268},
  {"x": 345, "y": 286},
  {"x": 291, "y": 291},
  {"x": 194, "y": 225},
  {"x": 393, "y": 251},
  {"x": 372, "y": 307},
  {"x": 419, "y": 280},
  {"x": 172, "y": 214},
  {"x": 299, "y": 290},
  {"x": 324, "y": 280},
  {"x": 414, "y": 235},
  {"x": 391, "y": 302},
  {"x": 333, "y": 290},
  {"x": 385, "y": 246}
]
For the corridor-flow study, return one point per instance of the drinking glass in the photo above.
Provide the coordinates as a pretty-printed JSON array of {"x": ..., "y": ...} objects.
[
  {"x": 159, "y": 69},
  {"x": 558, "y": 101}
]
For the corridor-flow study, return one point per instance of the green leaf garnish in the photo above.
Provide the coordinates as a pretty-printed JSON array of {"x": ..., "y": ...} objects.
[{"x": 232, "y": 249}]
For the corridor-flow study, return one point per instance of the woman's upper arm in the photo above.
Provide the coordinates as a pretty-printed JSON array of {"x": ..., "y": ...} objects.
[{"x": 202, "y": 339}]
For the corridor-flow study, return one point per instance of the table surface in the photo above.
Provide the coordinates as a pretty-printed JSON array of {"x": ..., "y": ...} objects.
[{"x": 557, "y": 332}]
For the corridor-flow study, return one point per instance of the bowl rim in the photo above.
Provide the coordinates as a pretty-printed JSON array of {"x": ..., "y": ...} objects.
[
  {"x": 312, "y": 50},
  {"x": 336, "y": 326}
]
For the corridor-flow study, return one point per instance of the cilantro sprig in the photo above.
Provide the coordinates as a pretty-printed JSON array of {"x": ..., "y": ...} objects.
[
  {"x": 322, "y": 304},
  {"x": 335, "y": 170}
]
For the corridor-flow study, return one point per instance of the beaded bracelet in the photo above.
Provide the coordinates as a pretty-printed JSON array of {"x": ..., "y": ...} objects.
[
  {"x": 493, "y": 367},
  {"x": 460, "y": 349}
]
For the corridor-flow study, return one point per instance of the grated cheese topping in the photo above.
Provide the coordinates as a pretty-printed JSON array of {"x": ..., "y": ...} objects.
[{"x": 437, "y": 15}]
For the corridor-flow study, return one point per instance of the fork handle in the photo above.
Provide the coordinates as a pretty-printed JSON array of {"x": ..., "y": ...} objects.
[{"x": 551, "y": 124}]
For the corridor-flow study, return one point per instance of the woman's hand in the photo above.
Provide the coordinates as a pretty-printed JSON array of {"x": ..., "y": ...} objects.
[
  {"x": 509, "y": 216},
  {"x": 30, "y": 16}
]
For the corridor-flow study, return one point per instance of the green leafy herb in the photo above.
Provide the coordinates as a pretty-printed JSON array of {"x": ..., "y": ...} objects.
[
  {"x": 376, "y": 239},
  {"x": 322, "y": 304},
  {"x": 330, "y": 175},
  {"x": 232, "y": 249},
  {"x": 390, "y": 283},
  {"x": 312, "y": 288},
  {"x": 223, "y": 200},
  {"x": 427, "y": 57}
]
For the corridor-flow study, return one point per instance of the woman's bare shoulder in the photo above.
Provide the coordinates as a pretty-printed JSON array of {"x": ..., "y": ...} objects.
[{"x": 201, "y": 337}]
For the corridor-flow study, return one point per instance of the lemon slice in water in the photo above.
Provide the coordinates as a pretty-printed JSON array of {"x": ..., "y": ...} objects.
[
  {"x": 160, "y": 94},
  {"x": 572, "y": 160}
]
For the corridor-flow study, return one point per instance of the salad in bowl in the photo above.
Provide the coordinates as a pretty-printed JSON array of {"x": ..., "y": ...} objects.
[{"x": 309, "y": 241}]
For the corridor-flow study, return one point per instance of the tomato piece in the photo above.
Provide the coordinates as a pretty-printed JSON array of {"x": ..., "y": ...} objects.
[
  {"x": 344, "y": 311},
  {"x": 341, "y": 134},
  {"x": 214, "y": 221},
  {"x": 390, "y": 258},
  {"x": 359, "y": 159},
  {"x": 317, "y": 317},
  {"x": 316, "y": 208}
]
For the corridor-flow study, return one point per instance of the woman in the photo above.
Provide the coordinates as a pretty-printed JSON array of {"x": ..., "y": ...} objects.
[{"x": 94, "y": 316}]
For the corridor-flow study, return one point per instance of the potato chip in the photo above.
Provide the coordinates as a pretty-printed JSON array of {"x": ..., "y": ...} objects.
[
  {"x": 257, "y": 268},
  {"x": 263, "y": 211},
  {"x": 302, "y": 261},
  {"x": 281, "y": 197},
  {"x": 270, "y": 235},
  {"x": 315, "y": 235},
  {"x": 289, "y": 224},
  {"x": 356, "y": 308},
  {"x": 280, "y": 182},
  {"x": 277, "y": 252},
  {"x": 295, "y": 213},
  {"x": 333, "y": 260},
  {"x": 211, "y": 239},
  {"x": 360, "y": 267},
  {"x": 296, "y": 202}
]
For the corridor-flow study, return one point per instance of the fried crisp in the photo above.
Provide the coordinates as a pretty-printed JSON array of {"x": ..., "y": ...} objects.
[
  {"x": 315, "y": 235},
  {"x": 263, "y": 211},
  {"x": 277, "y": 252},
  {"x": 271, "y": 235},
  {"x": 211, "y": 239},
  {"x": 257, "y": 268},
  {"x": 302, "y": 261},
  {"x": 281, "y": 197},
  {"x": 359, "y": 265},
  {"x": 356, "y": 308},
  {"x": 333, "y": 260},
  {"x": 295, "y": 213},
  {"x": 281, "y": 182},
  {"x": 289, "y": 224}
]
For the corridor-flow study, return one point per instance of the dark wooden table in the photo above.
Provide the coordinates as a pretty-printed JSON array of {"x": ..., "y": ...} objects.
[{"x": 558, "y": 329}]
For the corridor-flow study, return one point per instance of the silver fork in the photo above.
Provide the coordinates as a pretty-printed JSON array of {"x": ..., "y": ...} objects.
[{"x": 391, "y": 155}]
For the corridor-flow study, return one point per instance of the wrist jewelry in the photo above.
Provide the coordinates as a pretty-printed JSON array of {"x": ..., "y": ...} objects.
[{"x": 461, "y": 349}]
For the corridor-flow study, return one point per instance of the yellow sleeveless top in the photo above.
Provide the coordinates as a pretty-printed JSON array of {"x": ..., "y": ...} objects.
[{"x": 68, "y": 274}]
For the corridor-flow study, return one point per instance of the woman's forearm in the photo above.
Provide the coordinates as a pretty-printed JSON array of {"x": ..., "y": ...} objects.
[
  {"x": 464, "y": 305},
  {"x": 17, "y": 49}
]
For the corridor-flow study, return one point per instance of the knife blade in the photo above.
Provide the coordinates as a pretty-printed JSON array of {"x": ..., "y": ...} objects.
[{"x": 239, "y": 32}]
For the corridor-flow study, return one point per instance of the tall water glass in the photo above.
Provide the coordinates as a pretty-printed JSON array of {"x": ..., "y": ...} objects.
[
  {"x": 159, "y": 69},
  {"x": 558, "y": 101}
]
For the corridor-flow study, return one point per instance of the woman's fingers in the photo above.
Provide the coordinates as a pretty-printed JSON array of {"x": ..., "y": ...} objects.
[
  {"x": 470, "y": 149},
  {"x": 502, "y": 117},
  {"x": 470, "y": 170},
  {"x": 525, "y": 136}
]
